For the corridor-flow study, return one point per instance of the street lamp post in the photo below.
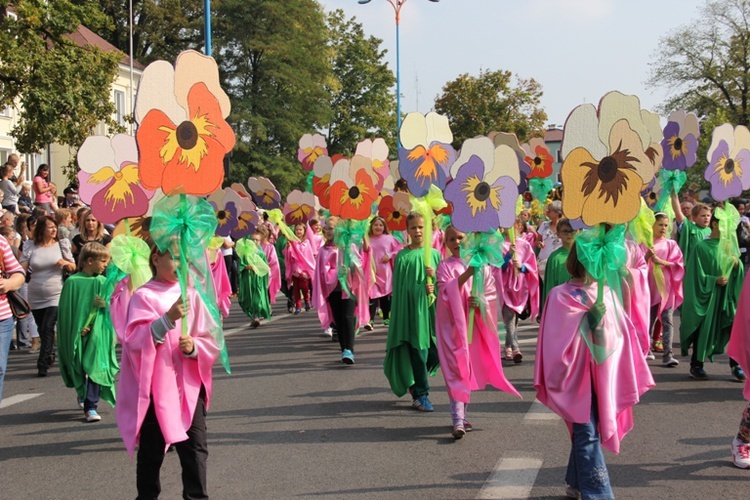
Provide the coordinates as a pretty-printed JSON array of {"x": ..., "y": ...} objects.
[
  {"x": 207, "y": 25},
  {"x": 397, "y": 4}
]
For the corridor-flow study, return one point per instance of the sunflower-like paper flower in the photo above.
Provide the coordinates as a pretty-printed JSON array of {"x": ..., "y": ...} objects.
[
  {"x": 236, "y": 216},
  {"x": 484, "y": 188},
  {"x": 321, "y": 181},
  {"x": 108, "y": 179},
  {"x": 299, "y": 207},
  {"x": 680, "y": 142},
  {"x": 394, "y": 209},
  {"x": 182, "y": 132},
  {"x": 376, "y": 151},
  {"x": 539, "y": 158},
  {"x": 264, "y": 193},
  {"x": 604, "y": 173},
  {"x": 352, "y": 191},
  {"x": 311, "y": 147},
  {"x": 728, "y": 169},
  {"x": 426, "y": 155}
]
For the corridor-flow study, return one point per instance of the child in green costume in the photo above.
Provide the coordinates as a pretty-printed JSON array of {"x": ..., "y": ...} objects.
[
  {"x": 556, "y": 273},
  {"x": 254, "y": 269},
  {"x": 411, "y": 352},
  {"x": 691, "y": 232},
  {"x": 85, "y": 335}
]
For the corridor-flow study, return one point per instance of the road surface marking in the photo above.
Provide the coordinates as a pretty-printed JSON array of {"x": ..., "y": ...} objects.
[
  {"x": 512, "y": 478},
  {"x": 539, "y": 412},
  {"x": 18, "y": 398}
]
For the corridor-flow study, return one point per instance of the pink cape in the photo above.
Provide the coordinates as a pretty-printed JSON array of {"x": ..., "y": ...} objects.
[
  {"x": 222, "y": 287},
  {"x": 667, "y": 250},
  {"x": 118, "y": 307},
  {"x": 467, "y": 367},
  {"x": 739, "y": 343},
  {"x": 517, "y": 288},
  {"x": 635, "y": 295},
  {"x": 529, "y": 237},
  {"x": 325, "y": 281},
  {"x": 438, "y": 242},
  {"x": 161, "y": 371},
  {"x": 381, "y": 246},
  {"x": 299, "y": 258},
  {"x": 274, "y": 277},
  {"x": 566, "y": 376}
]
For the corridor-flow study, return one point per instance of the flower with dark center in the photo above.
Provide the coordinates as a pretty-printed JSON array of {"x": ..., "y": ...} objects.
[{"x": 609, "y": 175}]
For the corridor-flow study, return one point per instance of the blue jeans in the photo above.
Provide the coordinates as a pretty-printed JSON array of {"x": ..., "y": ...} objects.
[
  {"x": 587, "y": 471},
  {"x": 6, "y": 334},
  {"x": 91, "y": 401}
]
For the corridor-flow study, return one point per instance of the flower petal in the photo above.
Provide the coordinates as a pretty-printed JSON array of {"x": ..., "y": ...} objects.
[
  {"x": 192, "y": 67},
  {"x": 581, "y": 131},
  {"x": 96, "y": 152},
  {"x": 156, "y": 91},
  {"x": 616, "y": 106},
  {"x": 573, "y": 175},
  {"x": 125, "y": 149},
  {"x": 152, "y": 135},
  {"x": 203, "y": 103},
  {"x": 599, "y": 208},
  {"x": 413, "y": 131}
]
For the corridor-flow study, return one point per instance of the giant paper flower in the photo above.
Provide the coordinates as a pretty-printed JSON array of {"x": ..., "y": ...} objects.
[
  {"x": 511, "y": 141},
  {"x": 680, "y": 142},
  {"x": 321, "y": 181},
  {"x": 311, "y": 147},
  {"x": 108, "y": 178},
  {"x": 484, "y": 188},
  {"x": 352, "y": 191},
  {"x": 426, "y": 155},
  {"x": 728, "y": 169},
  {"x": 394, "y": 210},
  {"x": 236, "y": 216},
  {"x": 299, "y": 207},
  {"x": 376, "y": 151},
  {"x": 264, "y": 193},
  {"x": 182, "y": 132},
  {"x": 539, "y": 158},
  {"x": 603, "y": 173}
]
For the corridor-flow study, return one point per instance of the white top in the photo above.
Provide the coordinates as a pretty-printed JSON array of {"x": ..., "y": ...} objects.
[
  {"x": 550, "y": 239},
  {"x": 46, "y": 278},
  {"x": 227, "y": 251}
]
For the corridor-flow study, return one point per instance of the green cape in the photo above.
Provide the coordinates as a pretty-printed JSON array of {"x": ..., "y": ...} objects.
[
  {"x": 94, "y": 354},
  {"x": 253, "y": 293},
  {"x": 412, "y": 319},
  {"x": 555, "y": 273},
  {"x": 708, "y": 310},
  {"x": 690, "y": 235}
]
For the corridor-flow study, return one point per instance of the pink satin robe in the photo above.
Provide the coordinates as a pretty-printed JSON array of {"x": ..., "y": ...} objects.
[
  {"x": 636, "y": 296},
  {"x": 325, "y": 281},
  {"x": 517, "y": 288},
  {"x": 274, "y": 276},
  {"x": 381, "y": 246},
  {"x": 739, "y": 341}
]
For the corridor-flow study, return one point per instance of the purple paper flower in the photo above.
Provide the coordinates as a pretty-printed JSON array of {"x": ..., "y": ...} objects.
[
  {"x": 729, "y": 162},
  {"x": 680, "y": 142},
  {"x": 426, "y": 155},
  {"x": 484, "y": 188}
]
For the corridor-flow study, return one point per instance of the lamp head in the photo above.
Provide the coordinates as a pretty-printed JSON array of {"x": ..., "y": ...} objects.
[{"x": 362, "y": 2}]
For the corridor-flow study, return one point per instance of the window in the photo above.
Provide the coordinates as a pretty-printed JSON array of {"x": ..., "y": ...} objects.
[
  {"x": 5, "y": 111},
  {"x": 120, "y": 107}
]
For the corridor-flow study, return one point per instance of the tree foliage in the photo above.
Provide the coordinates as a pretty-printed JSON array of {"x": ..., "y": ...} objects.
[
  {"x": 362, "y": 101},
  {"x": 61, "y": 89},
  {"x": 161, "y": 28},
  {"x": 478, "y": 105},
  {"x": 706, "y": 65}
]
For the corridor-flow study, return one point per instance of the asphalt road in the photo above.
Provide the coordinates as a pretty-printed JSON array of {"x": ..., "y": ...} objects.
[{"x": 292, "y": 422}]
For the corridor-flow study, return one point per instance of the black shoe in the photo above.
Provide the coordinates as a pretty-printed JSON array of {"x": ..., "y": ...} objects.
[
  {"x": 13, "y": 346},
  {"x": 42, "y": 373},
  {"x": 698, "y": 373}
]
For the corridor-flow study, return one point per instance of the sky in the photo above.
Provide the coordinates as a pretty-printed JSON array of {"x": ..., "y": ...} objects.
[{"x": 577, "y": 49}]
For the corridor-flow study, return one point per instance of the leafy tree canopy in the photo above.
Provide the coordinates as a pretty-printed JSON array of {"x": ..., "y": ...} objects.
[{"x": 478, "y": 105}]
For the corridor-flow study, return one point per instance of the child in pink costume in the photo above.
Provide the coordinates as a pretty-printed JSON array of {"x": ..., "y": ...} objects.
[
  {"x": 274, "y": 276},
  {"x": 220, "y": 277},
  {"x": 300, "y": 266},
  {"x": 519, "y": 288},
  {"x": 165, "y": 380},
  {"x": 466, "y": 366},
  {"x": 635, "y": 295},
  {"x": 595, "y": 399},
  {"x": 379, "y": 254},
  {"x": 666, "y": 256},
  {"x": 739, "y": 350}
]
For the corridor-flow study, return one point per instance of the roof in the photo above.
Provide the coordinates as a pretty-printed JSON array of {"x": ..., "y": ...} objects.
[
  {"x": 553, "y": 135},
  {"x": 84, "y": 36}
]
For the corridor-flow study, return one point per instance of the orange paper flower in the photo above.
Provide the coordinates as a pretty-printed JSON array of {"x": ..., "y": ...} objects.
[{"x": 352, "y": 191}]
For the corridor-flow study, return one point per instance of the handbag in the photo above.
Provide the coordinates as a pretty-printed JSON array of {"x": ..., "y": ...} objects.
[{"x": 18, "y": 305}]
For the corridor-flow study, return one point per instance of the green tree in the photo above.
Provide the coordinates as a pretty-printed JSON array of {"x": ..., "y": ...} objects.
[
  {"x": 274, "y": 61},
  {"x": 61, "y": 89},
  {"x": 478, "y": 105},
  {"x": 161, "y": 28},
  {"x": 362, "y": 100},
  {"x": 705, "y": 66}
]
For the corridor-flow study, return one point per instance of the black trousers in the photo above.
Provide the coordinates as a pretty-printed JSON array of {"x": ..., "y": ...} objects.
[
  {"x": 385, "y": 306},
  {"x": 193, "y": 454},
  {"x": 46, "y": 319},
  {"x": 343, "y": 316},
  {"x": 232, "y": 272}
]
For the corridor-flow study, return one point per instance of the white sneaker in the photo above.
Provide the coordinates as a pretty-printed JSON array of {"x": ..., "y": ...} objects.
[
  {"x": 741, "y": 453},
  {"x": 328, "y": 332},
  {"x": 571, "y": 492},
  {"x": 92, "y": 416},
  {"x": 650, "y": 356}
]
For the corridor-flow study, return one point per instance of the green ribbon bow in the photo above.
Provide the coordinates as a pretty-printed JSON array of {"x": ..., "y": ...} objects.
[
  {"x": 432, "y": 202},
  {"x": 309, "y": 182},
  {"x": 277, "y": 217},
  {"x": 671, "y": 182},
  {"x": 185, "y": 225},
  {"x": 478, "y": 251},
  {"x": 604, "y": 255},
  {"x": 131, "y": 256},
  {"x": 540, "y": 187},
  {"x": 250, "y": 255},
  {"x": 346, "y": 234},
  {"x": 729, "y": 250}
]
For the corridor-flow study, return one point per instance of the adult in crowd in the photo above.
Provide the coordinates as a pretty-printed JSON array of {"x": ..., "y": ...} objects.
[
  {"x": 92, "y": 230},
  {"x": 13, "y": 281},
  {"x": 48, "y": 258},
  {"x": 43, "y": 190},
  {"x": 10, "y": 189},
  {"x": 547, "y": 239}
]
